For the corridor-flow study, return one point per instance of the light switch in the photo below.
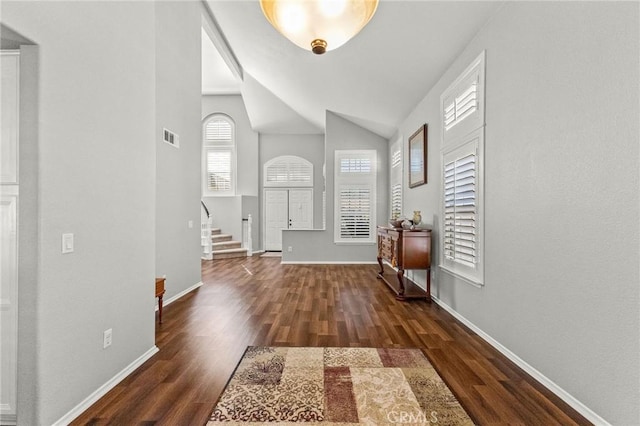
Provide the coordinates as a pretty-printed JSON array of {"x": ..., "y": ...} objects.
[
  {"x": 67, "y": 243},
  {"x": 190, "y": 224}
]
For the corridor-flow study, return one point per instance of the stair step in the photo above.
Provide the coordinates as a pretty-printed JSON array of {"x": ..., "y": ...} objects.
[
  {"x": 224, "y": 245},
  {"x": 229, "y": 253},
  {"x": 216, "y": 231},
  {"x": 218, "y": 238}
]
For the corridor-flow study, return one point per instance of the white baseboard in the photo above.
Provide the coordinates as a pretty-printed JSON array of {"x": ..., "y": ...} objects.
[
  {"x": 102, "y": 390},
  {"x": 326, "y": 262},
  {"x": 544, "y": 380},
  {"x": 179, "y": 295}
]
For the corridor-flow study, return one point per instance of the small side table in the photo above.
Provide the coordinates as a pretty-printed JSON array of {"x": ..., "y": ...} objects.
[{"x": 159, "y": 294}]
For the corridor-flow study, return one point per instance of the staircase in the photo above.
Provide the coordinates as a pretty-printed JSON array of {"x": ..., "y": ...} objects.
[{"x": 223, "y": 247}]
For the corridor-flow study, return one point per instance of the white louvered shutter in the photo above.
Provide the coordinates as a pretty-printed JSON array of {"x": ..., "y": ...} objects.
[
  {"x": 462, "y": 105},
  {"x": 288, "y": 170},
  {"x": 218, "y": 130},
  {"x": 396, "y": 201},
  {"x": 355, "y": 212},
  {"x": 219, "y": 156},
  {"x": 395, "y": 179},
  {"x": 355, "y": 183},
  {"x": 460, "y": 207},
  {"x": 219, "y": 170}
]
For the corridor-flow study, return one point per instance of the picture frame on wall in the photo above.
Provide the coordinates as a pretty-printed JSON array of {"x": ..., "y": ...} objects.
[{"x": 418, "y": 157}]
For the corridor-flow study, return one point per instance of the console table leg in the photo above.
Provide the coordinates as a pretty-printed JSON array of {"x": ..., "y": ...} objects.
[
  {"x": 400, "y": 295},
  {"x": 160, "y": 309},
  {"x": 429, "y": 285},
  {"x": 381, "y": 268}
]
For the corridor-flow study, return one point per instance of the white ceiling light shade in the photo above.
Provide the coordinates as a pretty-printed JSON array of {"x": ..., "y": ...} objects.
[{"x": 319, "y": 25}]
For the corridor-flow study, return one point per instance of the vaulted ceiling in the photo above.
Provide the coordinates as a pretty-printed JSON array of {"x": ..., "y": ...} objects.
[{"x": 374, "y": 80}]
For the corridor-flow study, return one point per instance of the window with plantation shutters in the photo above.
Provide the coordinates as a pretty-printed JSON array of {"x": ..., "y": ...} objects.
[
  {"x": 461, "y": 234},
  {"x": 355, "y": 212},
  {"x": 355, "y": 196},
  {"x": 395, "y": 179},
  {"x": 289, "y": 171},
  {"x": 218, "y": 156},
  {"x": 462, "y": 104},
  {"x": 462, "y": 224},
  {"x": 460, "y": 209},
  {"x": 218, "y": 130},
  {"x": 396, "y": 201},
  {"x": 218, "y": 170}
]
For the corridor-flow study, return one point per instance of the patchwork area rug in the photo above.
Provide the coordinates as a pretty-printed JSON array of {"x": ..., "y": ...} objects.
[{"x": 336, "y": 386}]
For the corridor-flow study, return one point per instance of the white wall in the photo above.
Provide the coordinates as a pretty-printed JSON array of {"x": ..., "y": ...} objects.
[
  {"x": 309, "y": 147},
  {"x": 562, "y": 198},
  {"x": 178, "y": 108},
  {"x": 96, "y": 147},
  {"x": 318, "y": 245}
]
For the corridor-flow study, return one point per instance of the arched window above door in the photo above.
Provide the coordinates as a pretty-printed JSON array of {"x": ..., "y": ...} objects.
[{"x": 288, "y": 171}]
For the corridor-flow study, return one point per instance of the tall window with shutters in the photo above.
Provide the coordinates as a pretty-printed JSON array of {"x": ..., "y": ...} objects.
[
  {"x": 395, "y": 179},
  {"x": 355, "y": 196},
  {"x": 219, "y": 156},
  {"x": 461, "y": 235}
]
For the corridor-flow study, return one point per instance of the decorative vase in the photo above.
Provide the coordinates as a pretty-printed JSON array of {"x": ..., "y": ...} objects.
[{"x": 416, "y": 217}]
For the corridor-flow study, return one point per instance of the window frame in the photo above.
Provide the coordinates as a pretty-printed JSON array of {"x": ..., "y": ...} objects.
[
  {"x": 355, "y": 181},
  {"x": 290, "y": 163},
  {"x": 464, "y": 136},
  {"x": 474, "y": 142},
  {"x": 475, "y": 72},
  {"x": 396, "y": 168},
  {"x": 227, "y": 145}
]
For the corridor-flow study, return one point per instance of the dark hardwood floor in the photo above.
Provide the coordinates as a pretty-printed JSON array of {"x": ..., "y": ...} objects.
[{"x": 257, "y": 301}]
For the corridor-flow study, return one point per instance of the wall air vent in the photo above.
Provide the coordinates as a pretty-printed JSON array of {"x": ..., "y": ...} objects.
[{"x": 171, "y": 138}]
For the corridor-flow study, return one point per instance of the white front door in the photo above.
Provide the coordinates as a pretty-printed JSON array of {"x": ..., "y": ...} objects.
[
  {"x": 300, "y": 209},
  {"x": 276, "y": 202},
  {"x": 286, "y": 209}
]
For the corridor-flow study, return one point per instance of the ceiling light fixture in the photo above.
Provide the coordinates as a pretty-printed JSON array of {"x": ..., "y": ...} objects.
[{"x": 319, "y": 25}]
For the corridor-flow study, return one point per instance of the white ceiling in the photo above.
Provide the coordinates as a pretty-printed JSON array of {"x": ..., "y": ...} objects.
[{"x": 374, "y": 80}]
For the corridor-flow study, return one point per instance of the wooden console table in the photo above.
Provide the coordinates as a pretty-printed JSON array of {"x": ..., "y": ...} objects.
[
  {"x": 159, "y": 294},
  {"x": 405, "y": 249}
]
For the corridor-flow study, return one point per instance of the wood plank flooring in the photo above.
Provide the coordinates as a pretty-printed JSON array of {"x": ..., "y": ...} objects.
[{"x": 258, "y": 301}]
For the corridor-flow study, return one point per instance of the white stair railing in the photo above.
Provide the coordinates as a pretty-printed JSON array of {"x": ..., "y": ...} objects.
[
  {"x": 205, "y": 239},
  {"x": 247, "y": 241}
]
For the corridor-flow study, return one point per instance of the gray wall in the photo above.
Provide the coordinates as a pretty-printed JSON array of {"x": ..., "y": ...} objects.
[
  {"x": 97, "y": 154},
  {"x": 318, "y": 246},
  {"x": 562, "y": 204},
  {"x": 309, "y": 147},
  {"x": 178, "y": 108}
]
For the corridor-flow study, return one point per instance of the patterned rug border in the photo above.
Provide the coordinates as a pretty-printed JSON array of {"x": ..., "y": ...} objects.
[
  {"x": 256, "y": 389},
  {"x": 446, "y": 382}
]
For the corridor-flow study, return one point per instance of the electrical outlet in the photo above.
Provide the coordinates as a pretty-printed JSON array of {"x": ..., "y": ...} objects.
[
  {"x": 289, "y": 249},
  {"x": 107, "y": 337},
  {"x": 67, "y": 243}
]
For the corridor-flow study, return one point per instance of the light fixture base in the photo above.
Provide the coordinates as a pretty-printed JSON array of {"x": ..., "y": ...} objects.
[{"x": 318, "y": 46}]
